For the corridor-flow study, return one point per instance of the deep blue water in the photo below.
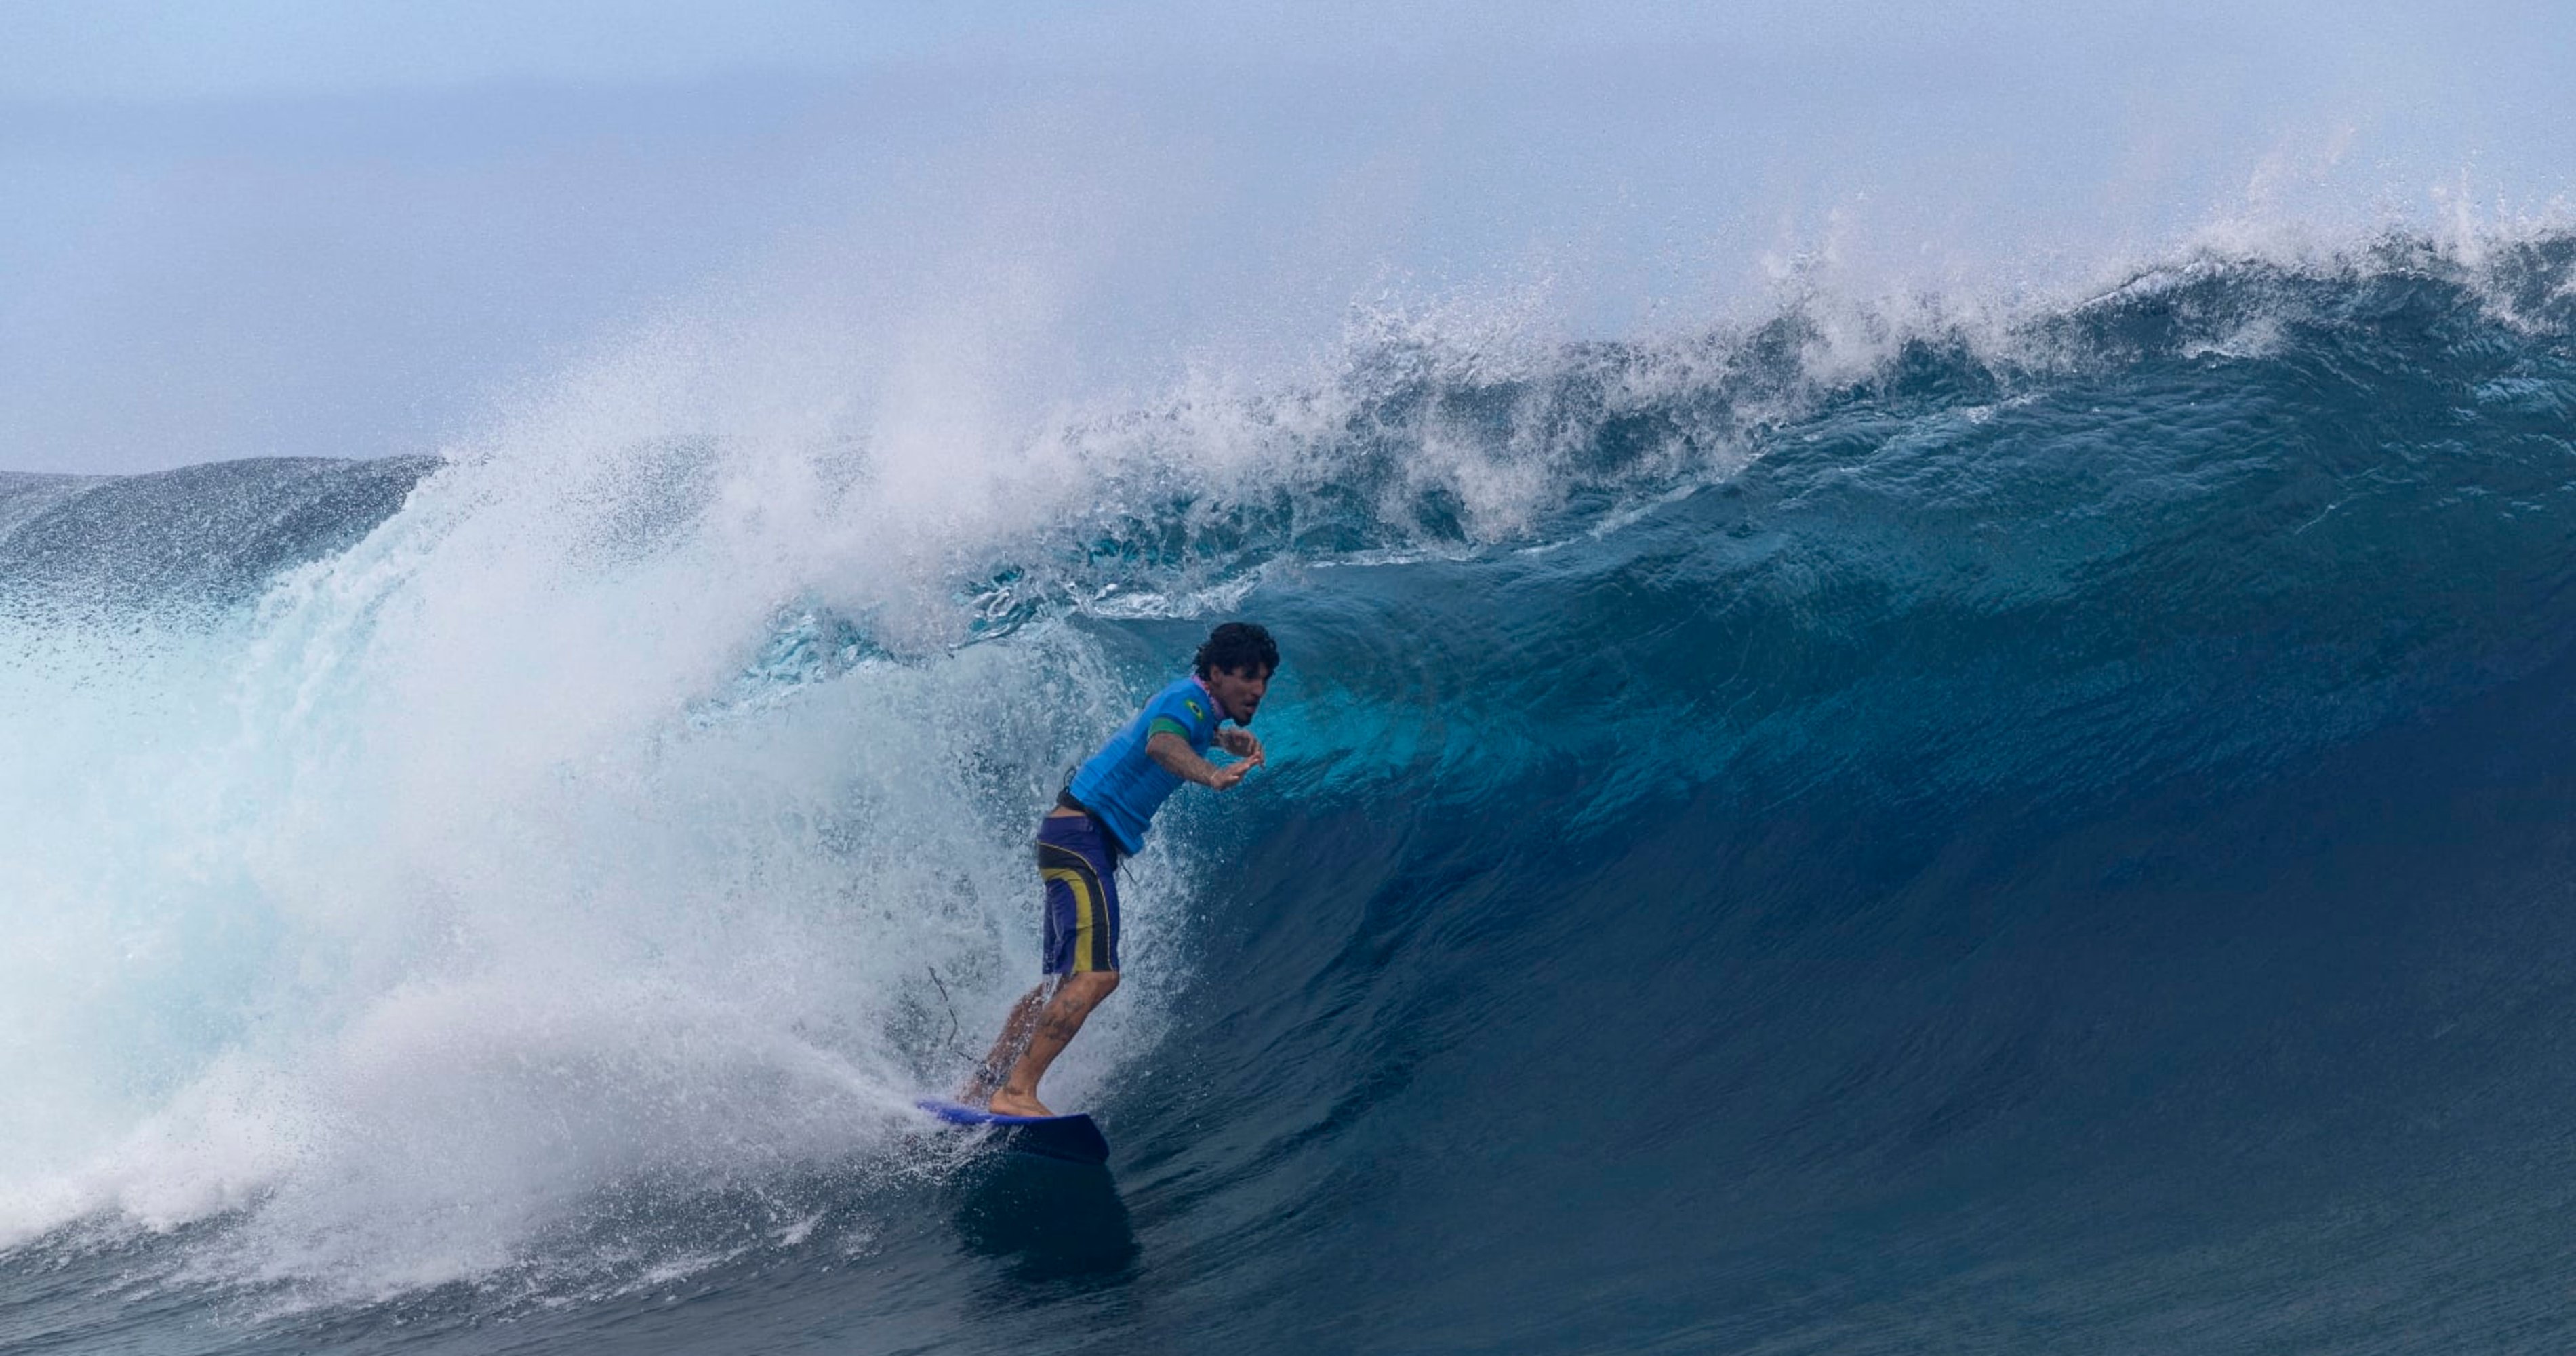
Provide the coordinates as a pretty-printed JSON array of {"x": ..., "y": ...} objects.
[{"x": 2056, "y": 840}]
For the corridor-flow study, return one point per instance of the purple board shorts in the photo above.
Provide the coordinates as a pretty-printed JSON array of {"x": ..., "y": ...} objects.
[{"x": 1078, "y": 864}]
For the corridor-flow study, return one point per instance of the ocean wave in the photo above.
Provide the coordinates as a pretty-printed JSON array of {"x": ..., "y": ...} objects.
[{"x": 1852, "y": 758}]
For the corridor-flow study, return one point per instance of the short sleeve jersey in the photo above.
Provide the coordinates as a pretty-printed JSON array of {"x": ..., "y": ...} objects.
[{"x": 1122, "y": 784}]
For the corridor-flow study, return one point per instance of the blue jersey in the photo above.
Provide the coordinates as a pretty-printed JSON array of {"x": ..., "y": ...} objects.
[{"x": 1121, "y": 784}]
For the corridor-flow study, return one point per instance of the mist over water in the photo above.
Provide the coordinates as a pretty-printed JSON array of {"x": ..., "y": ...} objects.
[
  {"x": 1920, "y": 702},
  {"x": 266, "y": 256}
]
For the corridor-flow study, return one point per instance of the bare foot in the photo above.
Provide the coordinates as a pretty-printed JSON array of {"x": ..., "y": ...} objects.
[
  {"x": 1009, "y": 1103},
  {"x": 979, "y": 1086}
]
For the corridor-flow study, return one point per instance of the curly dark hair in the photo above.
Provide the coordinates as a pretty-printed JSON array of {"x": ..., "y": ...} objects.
[{"x": 1238, "y": 645}]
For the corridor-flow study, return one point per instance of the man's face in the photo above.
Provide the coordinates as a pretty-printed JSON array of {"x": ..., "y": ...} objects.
[{"x": 1239, "y": 690}]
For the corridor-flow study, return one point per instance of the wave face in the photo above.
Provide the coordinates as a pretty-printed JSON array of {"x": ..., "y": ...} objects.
[{"x": 2049, "y": 835}]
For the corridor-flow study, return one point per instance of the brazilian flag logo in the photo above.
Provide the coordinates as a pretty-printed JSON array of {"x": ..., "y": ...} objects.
[{"x": 1195, "y": 712}]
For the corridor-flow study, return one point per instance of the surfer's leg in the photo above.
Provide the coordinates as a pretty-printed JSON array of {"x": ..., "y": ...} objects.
[
  {"x": 1076, "y": 866},
  {"x": 1074, "y": 999},
  {"x": 996, "y": 1068}
]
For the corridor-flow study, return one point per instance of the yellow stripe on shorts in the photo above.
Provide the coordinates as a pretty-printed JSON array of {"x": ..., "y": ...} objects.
[{"x": 1086, "y": 911}]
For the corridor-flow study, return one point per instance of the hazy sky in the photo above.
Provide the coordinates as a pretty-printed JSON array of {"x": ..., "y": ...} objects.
[{"x": 262, "y": 228}]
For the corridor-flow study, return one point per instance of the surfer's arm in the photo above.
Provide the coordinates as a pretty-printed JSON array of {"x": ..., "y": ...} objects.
[{"x": 1178, "y": 758}]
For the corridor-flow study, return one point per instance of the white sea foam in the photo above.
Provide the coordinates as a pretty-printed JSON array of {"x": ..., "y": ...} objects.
[{"x": 401, "y": 915}]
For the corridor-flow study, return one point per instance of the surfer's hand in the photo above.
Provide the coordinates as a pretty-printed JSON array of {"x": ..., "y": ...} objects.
[
  {"x": 1224, "y": 778},
  {"x": 1241, "y": 743}
]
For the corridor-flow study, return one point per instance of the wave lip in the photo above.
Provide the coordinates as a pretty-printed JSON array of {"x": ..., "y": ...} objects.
[{"x": 202, "y": 536}]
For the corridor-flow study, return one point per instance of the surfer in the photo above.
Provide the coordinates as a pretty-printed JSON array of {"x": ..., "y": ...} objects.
[{"x": 1099, "y": 817}]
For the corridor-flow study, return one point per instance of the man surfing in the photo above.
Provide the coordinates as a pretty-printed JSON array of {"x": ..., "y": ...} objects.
[{"x": 1099, "y": 817}]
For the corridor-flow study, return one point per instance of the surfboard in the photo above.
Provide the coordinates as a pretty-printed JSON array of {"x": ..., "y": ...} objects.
[{"x": 1071, "y": 1139}]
